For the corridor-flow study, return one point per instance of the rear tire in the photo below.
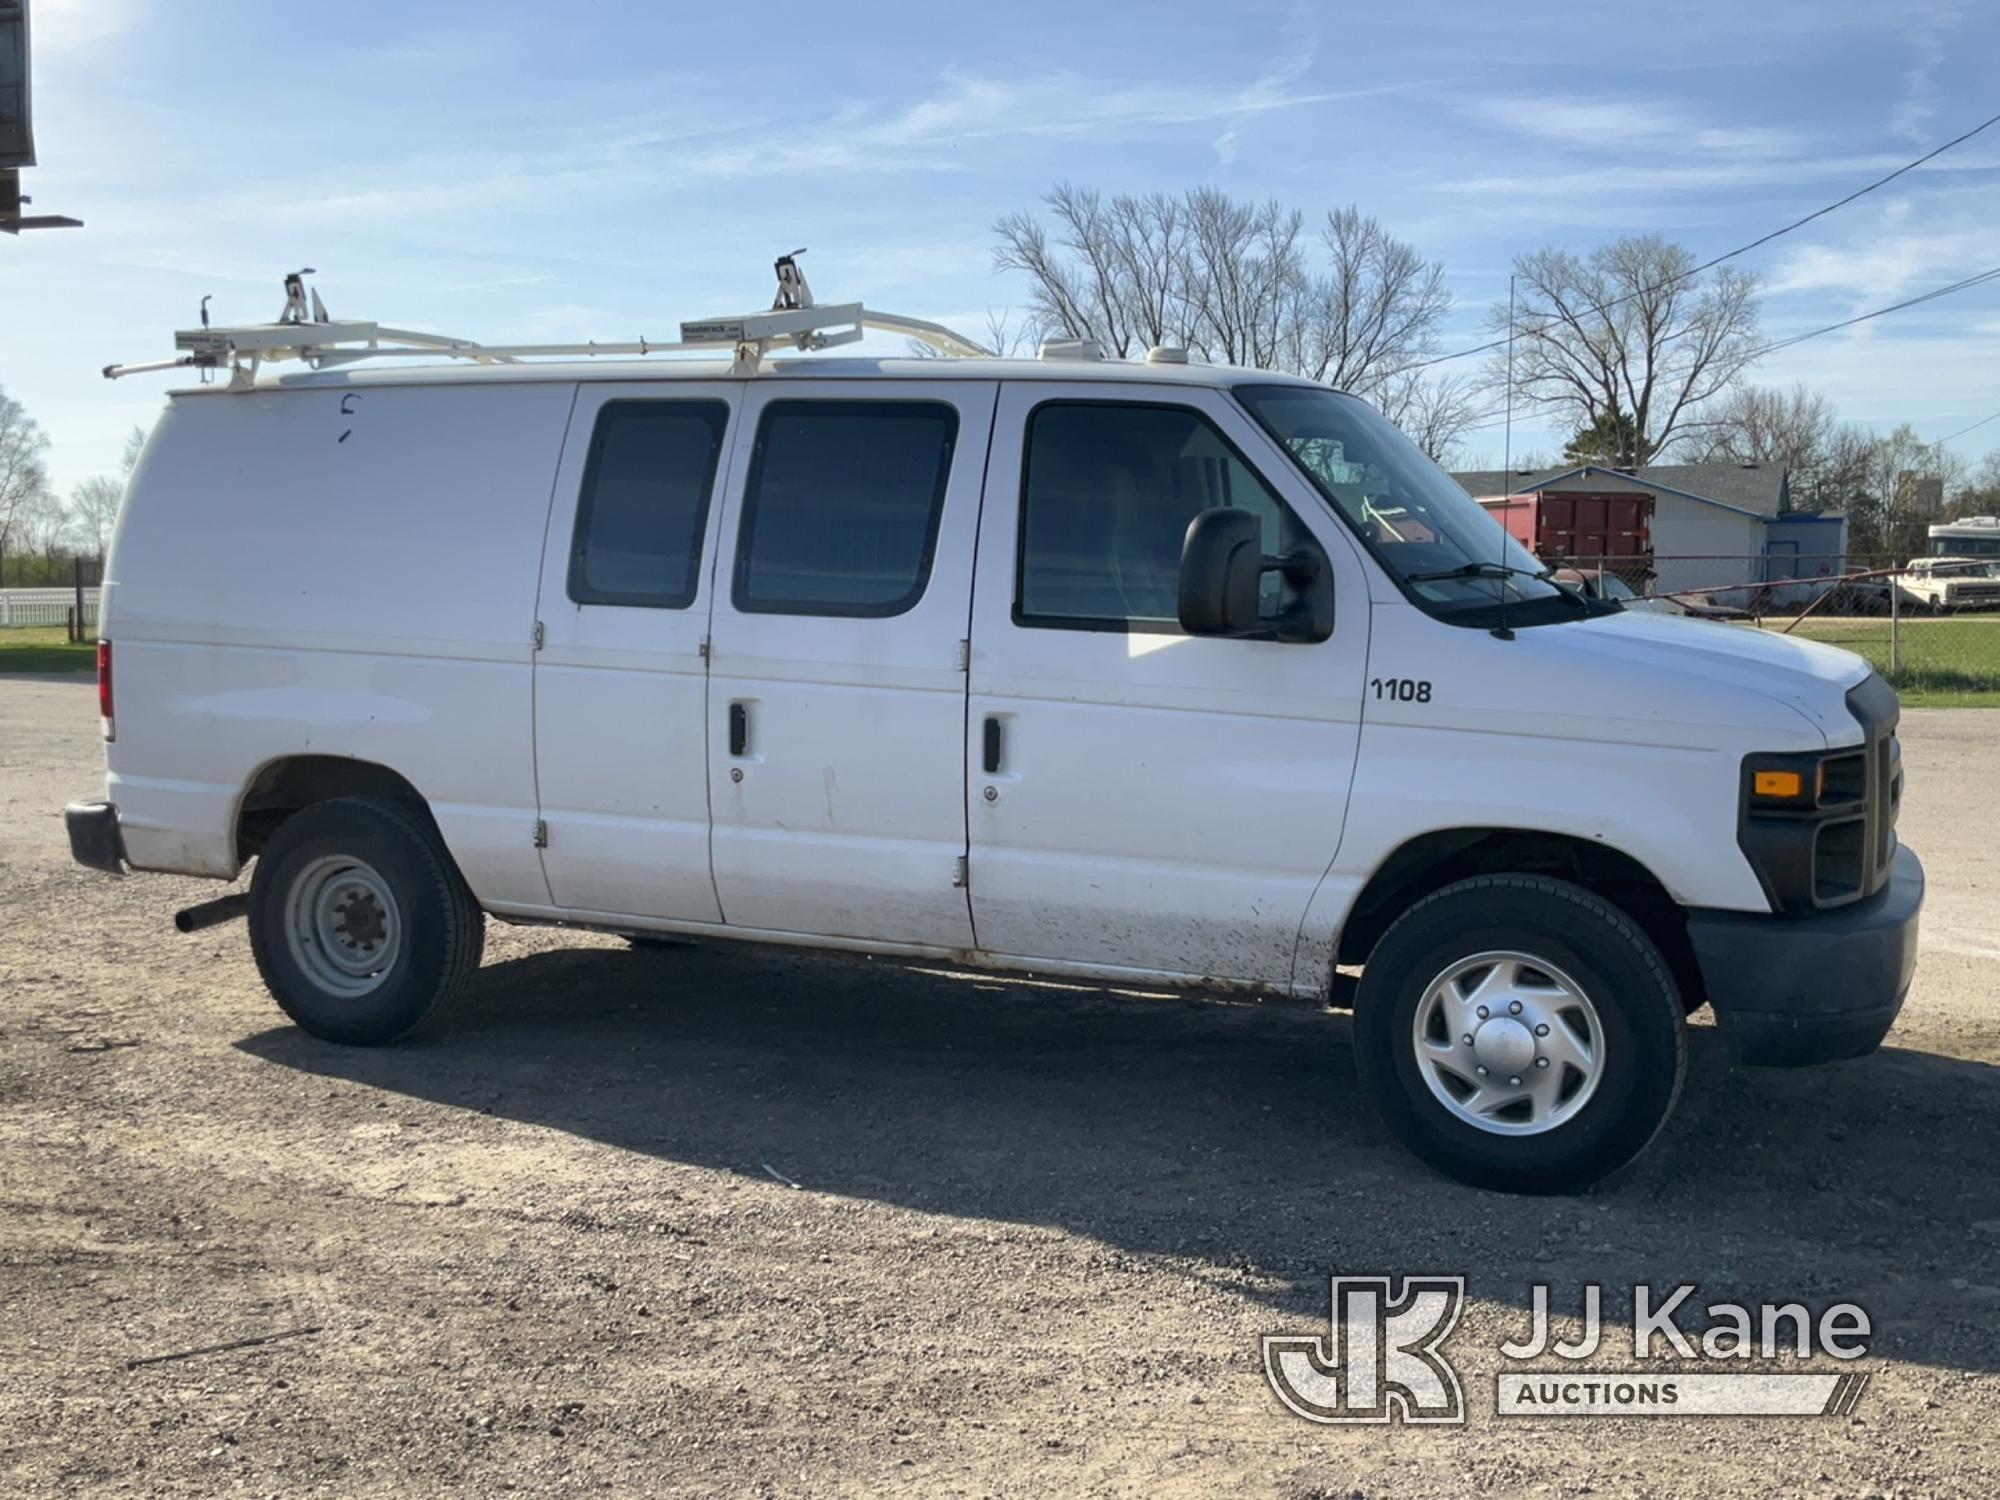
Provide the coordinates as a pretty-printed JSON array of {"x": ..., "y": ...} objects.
[
  {"x": 361, "y": 924},
  {"x": 1568, "y": 1007}
]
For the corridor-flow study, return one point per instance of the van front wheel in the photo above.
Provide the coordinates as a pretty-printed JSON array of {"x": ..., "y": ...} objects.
[
  {"x": 1520, "y": 1033},
  {"x": 361, "y": 925}
]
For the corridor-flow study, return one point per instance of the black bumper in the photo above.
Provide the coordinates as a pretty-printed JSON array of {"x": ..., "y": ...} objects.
[
  {"x": 93, "y": 836},
  {"x": 1788, "y": 991}
]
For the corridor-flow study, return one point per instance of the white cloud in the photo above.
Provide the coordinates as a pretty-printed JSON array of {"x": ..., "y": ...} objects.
[
  {"x": 1637, "y": 182},
  {"x": 1623, "y": 125},
  {"x": 70, "y": 25},
  {"x": 958, "y": 126},
  {"x": 1886, "y": 248},
  {"x": 1913, "y": 114}
]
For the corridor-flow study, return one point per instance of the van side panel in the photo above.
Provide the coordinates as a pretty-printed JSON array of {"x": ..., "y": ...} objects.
[{"x": 332, "y": 572}]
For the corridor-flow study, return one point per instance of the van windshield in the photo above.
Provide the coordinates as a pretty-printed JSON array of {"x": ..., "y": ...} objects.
[{"x": 1408, "y": 512}]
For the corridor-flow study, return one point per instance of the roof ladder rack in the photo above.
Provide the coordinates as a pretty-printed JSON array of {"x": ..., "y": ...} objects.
[{"x": 304, "y": 332}]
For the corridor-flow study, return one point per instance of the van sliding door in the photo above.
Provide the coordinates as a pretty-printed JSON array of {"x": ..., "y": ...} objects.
[{"x": 837, "y": 686}]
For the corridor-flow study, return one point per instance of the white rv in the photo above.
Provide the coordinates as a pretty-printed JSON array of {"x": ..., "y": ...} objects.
[{"x": 1140, "y": 671}]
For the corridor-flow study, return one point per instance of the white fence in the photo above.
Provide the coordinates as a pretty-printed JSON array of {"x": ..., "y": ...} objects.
[{"x": 44, "y": 606}]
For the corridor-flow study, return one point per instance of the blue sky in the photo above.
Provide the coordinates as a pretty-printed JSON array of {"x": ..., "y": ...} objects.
[{"x": 534, "y": 171}]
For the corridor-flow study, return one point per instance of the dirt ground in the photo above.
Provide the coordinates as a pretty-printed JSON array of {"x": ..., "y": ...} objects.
[{"x": 1036, "y": 1232}]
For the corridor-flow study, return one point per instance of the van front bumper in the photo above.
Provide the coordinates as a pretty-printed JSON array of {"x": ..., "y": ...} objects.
[
  {"x": 1825, "y": 987},
  {"x": 94, "y": 839}
]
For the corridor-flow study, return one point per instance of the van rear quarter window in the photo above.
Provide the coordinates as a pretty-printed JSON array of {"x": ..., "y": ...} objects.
[
  {"x": 841, "y": 510},
  {"x": 644, "y": 503}
]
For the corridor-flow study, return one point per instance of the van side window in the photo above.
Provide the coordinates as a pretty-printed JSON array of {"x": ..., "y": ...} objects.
[
  {"x": 841, "y": 508},
  {"x": 1107, "y": 492},
  {"x": 644, "y": 503}
]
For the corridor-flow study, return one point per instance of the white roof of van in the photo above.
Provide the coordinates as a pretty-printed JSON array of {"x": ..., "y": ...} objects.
[{"x": 671, "y": 368}]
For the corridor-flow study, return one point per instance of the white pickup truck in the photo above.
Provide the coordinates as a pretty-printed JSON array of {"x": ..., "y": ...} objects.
[
  {"x": 1133, "y": 671},
  {"x": 1940, "y": 584}
]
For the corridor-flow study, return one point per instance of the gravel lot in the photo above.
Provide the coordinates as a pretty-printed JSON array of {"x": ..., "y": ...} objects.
[{"x": 1037, "y": 1232}]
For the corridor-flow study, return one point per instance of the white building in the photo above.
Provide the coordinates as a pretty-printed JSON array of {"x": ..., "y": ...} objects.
[{"x": 1714, "y": 525}]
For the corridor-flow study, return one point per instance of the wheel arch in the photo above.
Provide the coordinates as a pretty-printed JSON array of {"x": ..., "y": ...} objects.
[
  {"x": 288, "y": 783},
  {"x": 1431, "y": 861}
]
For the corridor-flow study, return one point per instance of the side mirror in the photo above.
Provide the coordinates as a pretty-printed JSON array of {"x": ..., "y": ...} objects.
[
  {"x": 1222, "y": 563},
  {"x": 1222, "y": 570}
]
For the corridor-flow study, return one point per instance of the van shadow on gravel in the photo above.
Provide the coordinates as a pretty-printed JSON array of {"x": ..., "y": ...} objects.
[{"x": 1225, "y": 1133}]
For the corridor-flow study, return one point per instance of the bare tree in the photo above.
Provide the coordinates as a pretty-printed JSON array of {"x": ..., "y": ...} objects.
[
  {"x": 1979, "y": 493},
  {"x": 1627, "y": 338},
  {"x": 135, "y": 443},
  {"x": 1373, "y": 312},
  {"x": 1111, "y": 274},
  {"x": 1891, "y": 489},
  {"x": 43, "y": 527},
  {"x": 1433, "y": 414},
  {"x": 1243, "y": 280},
  {"x": 1763, "y": 425},
  {"x": 1237, "y": 282},
  {"x": 24, "y": 483},
  {"x": 93, "y": 509}
]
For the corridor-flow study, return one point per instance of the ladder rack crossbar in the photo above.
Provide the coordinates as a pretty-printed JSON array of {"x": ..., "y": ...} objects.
[{"x": 322, "y": 342}]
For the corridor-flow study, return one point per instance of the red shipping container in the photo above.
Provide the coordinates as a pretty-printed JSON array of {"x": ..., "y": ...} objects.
[{"x": 1612, "y": 529}]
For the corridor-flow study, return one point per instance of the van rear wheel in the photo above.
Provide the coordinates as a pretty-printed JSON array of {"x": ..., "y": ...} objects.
[
  {"x": 361, "y": 925},
  {"x": 1520, "y": 1033}
]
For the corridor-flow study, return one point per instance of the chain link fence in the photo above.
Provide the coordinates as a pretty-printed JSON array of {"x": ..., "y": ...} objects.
[{"x": 1931, "y": 626}]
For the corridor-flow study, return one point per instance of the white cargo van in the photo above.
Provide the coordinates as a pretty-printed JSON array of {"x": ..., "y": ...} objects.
[{"x": 1137, "y": 671}]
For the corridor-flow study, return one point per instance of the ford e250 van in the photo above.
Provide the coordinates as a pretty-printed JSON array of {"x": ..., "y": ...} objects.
[{"x": 1142, "y": 671}]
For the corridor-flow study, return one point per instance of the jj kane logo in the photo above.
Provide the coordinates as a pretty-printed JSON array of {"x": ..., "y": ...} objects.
[{"x": 1383, "y": 1359}]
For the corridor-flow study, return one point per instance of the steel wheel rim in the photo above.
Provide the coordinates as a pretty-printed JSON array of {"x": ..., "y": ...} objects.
[
  {"x": 342, "y": 925},
  {"x": 1509, "y": 1043}
]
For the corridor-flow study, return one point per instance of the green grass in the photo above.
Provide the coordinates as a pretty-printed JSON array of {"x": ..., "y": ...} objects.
[
  {"x": 41, "y": 648},
  {"x": 1951, "y": 661}
]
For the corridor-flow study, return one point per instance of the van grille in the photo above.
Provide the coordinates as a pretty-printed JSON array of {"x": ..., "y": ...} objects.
[{"x": 1857, "y": 866}]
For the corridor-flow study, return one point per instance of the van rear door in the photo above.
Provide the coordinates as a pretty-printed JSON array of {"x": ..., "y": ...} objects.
[
  {"x": 621, "y": 753},
  {"x": 836, "y": 687}
]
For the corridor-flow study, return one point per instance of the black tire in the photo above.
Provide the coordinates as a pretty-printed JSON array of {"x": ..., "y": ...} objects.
[
  {"x": 441, "y": 930},
  {"x": 1621, "y": 972}
]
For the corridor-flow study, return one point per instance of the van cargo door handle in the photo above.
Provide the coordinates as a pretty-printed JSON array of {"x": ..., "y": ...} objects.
[
  {"x": 992, "y": 757},
  {"x": 739, "y": 728}
]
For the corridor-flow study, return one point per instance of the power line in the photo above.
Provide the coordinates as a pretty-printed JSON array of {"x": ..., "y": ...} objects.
[
  {"x": 1979, "y": 279},
  {"x": 1764, "y": 239},
  {"x": 1950, "y": 436}
]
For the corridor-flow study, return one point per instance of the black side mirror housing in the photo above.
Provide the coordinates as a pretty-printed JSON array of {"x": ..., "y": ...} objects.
[
  {"x": 1222, "y": 562},
  {"x": 1222, "y": 569}
]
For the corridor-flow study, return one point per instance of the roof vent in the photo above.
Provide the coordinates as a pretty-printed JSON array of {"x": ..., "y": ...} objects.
[
  {"x": 1166, "y": 354},
  {"x": 1072, "y": 349}
]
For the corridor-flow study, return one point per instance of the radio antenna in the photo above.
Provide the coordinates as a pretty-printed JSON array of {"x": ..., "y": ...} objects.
[{"x": 1500, "y": 629}]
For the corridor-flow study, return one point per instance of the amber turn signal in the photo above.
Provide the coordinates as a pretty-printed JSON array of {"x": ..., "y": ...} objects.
[{"x": 1785, "y": 784}]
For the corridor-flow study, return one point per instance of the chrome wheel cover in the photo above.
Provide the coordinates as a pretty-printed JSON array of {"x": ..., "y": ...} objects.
[{"x": 1509, "y": 1043}]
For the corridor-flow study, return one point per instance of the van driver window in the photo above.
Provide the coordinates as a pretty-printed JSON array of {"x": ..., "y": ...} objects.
[
  {"x": 644, "y": 503},
  {"x": 1106, "y": 498}
]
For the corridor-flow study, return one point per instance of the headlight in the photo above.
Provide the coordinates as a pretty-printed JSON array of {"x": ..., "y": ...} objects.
[{"x": 1803, "y": 826}]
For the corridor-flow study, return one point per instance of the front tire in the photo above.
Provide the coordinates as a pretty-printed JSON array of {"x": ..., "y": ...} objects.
[
  {"x": 361, "y": 924},
  {"x": 1520, "y": 1033}
]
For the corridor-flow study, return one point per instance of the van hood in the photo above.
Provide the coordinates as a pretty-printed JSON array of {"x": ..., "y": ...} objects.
[{"x": 1807, "y": 676}]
